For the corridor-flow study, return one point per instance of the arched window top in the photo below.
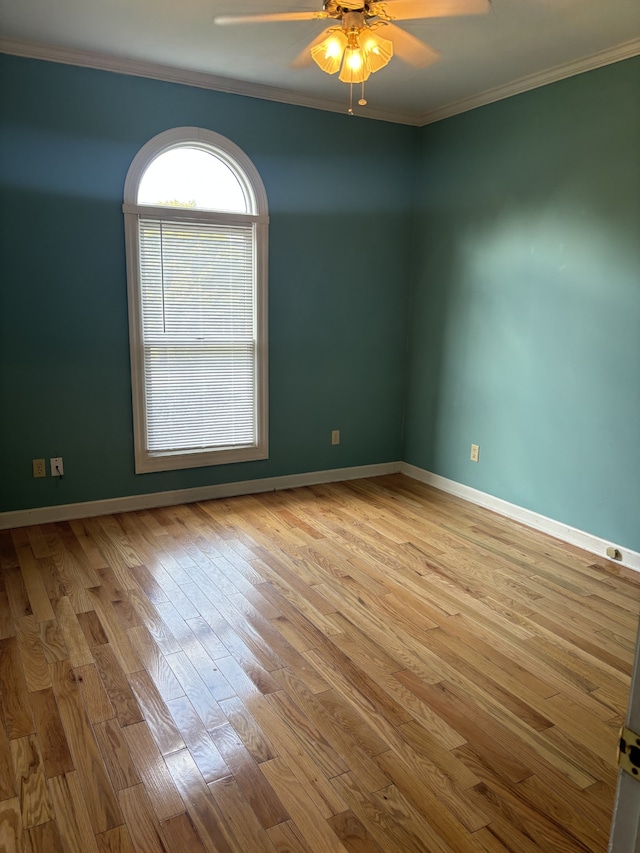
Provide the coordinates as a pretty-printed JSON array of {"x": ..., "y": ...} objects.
[
  {"x": 193, "y": 168},
  {"x": 192, "y": 177}
]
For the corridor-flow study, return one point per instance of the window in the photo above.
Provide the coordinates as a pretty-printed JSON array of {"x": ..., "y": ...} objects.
[{"x": 196, "y": 225}]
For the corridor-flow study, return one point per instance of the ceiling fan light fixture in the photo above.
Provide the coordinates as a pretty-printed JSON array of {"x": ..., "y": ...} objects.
[
  {"x": 328, "y": 54},
  {"x": 351, "y": 46}
]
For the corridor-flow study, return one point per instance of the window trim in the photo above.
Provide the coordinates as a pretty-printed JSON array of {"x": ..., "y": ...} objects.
[{"x": 253, "y": 186}]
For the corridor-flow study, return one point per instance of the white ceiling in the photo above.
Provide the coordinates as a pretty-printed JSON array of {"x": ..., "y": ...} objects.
[{"x": 518, "y": 45}]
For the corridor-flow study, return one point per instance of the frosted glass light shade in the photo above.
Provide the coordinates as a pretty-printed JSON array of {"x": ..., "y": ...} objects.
[
  {"x": 378, "y": 50},
  {"x": 328, "y": 54},
  {"x": 355, "y": 66}
]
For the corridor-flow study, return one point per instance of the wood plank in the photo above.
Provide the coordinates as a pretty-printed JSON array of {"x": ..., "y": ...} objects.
[
  {"x": 388, "y": 820},
  {"x": 243, "y": 825},
  {"x": 34, "y": 662},
  {"x": 449, "y": 810},
  {"x": 75, "y": 641},
  {"x": 181, "y": 835},
  {"x": 287, "y": 838},
  {"x": 10, "y": 826},
  {"x": 34, "y": 585},
  {"x": 312, "y": 740},
  {"x": 147, "y": 582},
  {"x": 44, "y": 838},
  {"x": 197, "y": 798},
  {"x": 470, "y": 726},
  {"x": 81, "y": 554},
  {"x": 194, "y": 687},
  {"x": 143, "y": 825},
  {"x": 51, "y": 736},
  {"x": 71, "y": 814},
  {"x": 125, "y": 653},
  {"x": 116, "y": 755},
  {"x": 156, "y": 713},
  {"x": 51, "y": 579},
  {"x": 353, "y": 833},
  {"x": 8, "y": 556},
  {"x": 110, "y": 584},
  {"x": 267, "y": 806},
  {"x": 13, "y": 691},
  {"x": 68, "y": 573},
  {"x": 94, "y": 696},
  {"x": 7, "y": 780},
  {"x": 310, "y": 777},
  {"x": 158, "y": 629},
  {"x": 198, "y": 741},
  {"x": 117, "y": 840},
  {"x": 92, "y": 628},
  {"x": 152, "y": 770},
  {"x": 155, "y": 663},
  {"x": 252, "y": 736},
  {"x": 567, "y": 808},
  {"x": 312, "y": 824},
  {"x": 7, "y": 625},
  {"x": 31, "y": 784},
  {"x": 52, "y": 641},
  {"x": 506, "y": 802},
  {"x": 352, "y": 723},
  {"x": 17, "y": 593},
  {"x": 116, "y": 685},
  {"x": 336, "y": 735},
  {"x": 102, "y": 804}
]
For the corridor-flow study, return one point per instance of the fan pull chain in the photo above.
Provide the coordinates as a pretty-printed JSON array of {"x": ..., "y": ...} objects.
[{"x": 363, "y": 101}]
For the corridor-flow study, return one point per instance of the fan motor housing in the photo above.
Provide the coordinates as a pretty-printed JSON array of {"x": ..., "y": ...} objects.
[{"x": 345, "y": 6}]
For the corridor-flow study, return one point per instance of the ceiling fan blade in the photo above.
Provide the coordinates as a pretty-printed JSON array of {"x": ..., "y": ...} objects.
[
  {"x": 224, "y": 20},
  {"x": 405, "y": 10},
  {"x": 409, "y": 48},
  {"x": 304, "y": 58}
]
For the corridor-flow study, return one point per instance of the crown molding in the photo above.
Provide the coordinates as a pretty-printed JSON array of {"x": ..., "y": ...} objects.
[
  {"x": 185, "y": 77},
  {"x": 626, "y": 50}
]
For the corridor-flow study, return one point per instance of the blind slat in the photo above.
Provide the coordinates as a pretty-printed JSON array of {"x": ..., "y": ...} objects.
[{"x": 199, "y": 334}]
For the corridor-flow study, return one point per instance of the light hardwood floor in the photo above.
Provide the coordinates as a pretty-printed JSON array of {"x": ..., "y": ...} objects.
[{"x": 371, "y": 666}]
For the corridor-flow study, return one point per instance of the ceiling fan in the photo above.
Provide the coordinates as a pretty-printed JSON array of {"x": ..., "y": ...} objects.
[{"x": 353, "y": 44}]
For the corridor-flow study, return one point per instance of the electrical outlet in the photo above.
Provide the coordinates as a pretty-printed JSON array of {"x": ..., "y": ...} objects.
[
  {"x": 335, "y": 436},
  {"x": 57, "y": 468},
  {"x": 475, "y": 452},
  {"x": 613, "y": 553},
  {"x": 39, "y": 468}
]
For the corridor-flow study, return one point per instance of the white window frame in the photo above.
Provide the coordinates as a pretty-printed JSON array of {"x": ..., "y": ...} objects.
[{"x": 251, "y": 182}]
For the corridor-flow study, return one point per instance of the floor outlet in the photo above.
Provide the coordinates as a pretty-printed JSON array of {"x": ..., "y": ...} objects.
[{"x": 57, "y": 468}]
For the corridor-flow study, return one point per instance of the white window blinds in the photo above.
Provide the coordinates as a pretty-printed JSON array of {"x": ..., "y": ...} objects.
[{"x": 197, "y": 282}]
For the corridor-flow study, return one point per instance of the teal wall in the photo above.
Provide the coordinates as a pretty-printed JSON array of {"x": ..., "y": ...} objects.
[
  {"x": 504, "y": 244},
  {"x": 525, "y": 330},
  {"x": 336, "y": 187}
]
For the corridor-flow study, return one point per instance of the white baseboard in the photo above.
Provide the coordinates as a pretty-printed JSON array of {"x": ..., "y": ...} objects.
[
  {"x": 594, "y": 544},
  {"x": 66, "y": 512}
]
